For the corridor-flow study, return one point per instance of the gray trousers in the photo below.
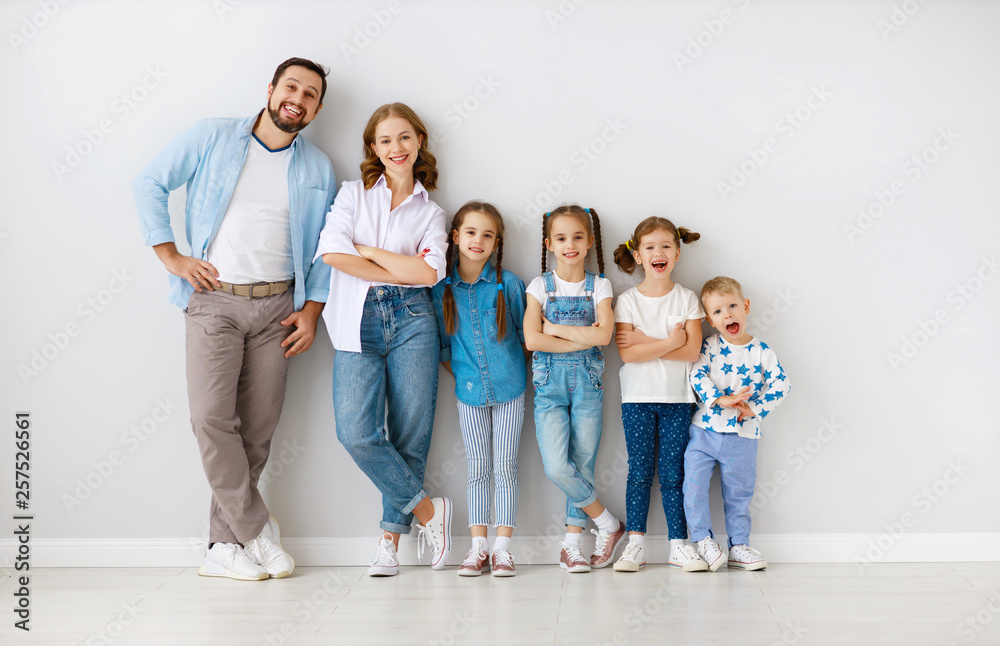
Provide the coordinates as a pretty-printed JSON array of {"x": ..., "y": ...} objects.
[{"x": 236, "y": 375}]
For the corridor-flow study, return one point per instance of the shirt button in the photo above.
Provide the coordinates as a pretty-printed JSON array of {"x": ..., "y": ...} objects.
[{"x": 381, "y": 292}]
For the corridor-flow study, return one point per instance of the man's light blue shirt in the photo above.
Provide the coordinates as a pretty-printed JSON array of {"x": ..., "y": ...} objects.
[{"x": 208, "y": 158}]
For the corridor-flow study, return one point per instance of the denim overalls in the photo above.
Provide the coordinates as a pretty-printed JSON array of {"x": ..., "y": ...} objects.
[{"x": 569, "y": 401}]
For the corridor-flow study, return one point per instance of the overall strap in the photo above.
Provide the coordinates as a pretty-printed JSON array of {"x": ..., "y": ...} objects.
[
  {"x": 550, "y": 285},
  {"x": 588, "y": 285}
]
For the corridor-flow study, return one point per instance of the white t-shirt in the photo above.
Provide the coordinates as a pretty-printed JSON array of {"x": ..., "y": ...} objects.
[
  {"x": 663, "y": 381},
  {"x": 254, "y": 242},
  {"x": 602, "y": 289}
]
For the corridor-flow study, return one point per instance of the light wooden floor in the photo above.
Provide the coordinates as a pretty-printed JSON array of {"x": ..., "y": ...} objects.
[{"x": 911, "y": 604}]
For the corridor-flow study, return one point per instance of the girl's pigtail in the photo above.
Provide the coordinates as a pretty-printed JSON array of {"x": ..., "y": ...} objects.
[
  {"x": 686, "y": 235},
  {"x": 597, "y": 238},
  {"x": 501, "y": 301},
  {"x": 545, "y": 218},
  {"x": 448, "y": 300},
  {"x": 623, "y": 257}
]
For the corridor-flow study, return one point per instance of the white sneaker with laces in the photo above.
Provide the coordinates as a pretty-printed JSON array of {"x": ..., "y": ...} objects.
[
  {"x": 686, "y": 558},
  {"x": 437, "y": 533},
  {"x": 711, "y": 553},
  {"x": 266, "y": 551},
  {"x": 385, "y": 562},
  {"x": 230, "y": 561},
  {"x": 632, "y": 558},
  {"x": 744, "y": 557}
]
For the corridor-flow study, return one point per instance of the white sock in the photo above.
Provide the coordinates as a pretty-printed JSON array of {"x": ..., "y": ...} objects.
[
  {"x": 479, "y": 543},
  {"x": 637, "y": 538},
  {"x": 502, "y": 543},
  {"x": 676, "y": 543},
  {"x": 572, "y": 539},
  {"x": 607, "y": 522}
]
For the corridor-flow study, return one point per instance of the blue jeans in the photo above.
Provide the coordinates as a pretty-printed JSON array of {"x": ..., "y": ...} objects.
[
  {"x": 656, "y": 436},
  {"x": 384, "y": 397},
  {"x": 569, "y": 403},
  {"x": 737, "y": 460}
]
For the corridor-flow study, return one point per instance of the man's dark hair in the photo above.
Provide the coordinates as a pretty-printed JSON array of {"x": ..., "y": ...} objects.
[{"x": 306, "y": 63}]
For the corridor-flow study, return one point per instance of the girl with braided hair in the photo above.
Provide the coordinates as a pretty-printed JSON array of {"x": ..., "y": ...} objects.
[
  {"x": 480, "y": 309},
  {"x": 567, "y": 319}
]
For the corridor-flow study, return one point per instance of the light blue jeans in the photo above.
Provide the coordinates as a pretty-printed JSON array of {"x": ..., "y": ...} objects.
[
  {"x": 569, "y": 404},
  {"x": 384, "y": 397},
  {"x": 737, "y": 460}
]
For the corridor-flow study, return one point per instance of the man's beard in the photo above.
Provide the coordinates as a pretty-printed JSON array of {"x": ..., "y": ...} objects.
[{"x": 282, "y": 124}]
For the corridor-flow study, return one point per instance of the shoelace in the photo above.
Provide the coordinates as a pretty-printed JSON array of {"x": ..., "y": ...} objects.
[
  {"x": 709, "y": 547},
  {"x": 631, "y": 552},
  {"x": 474, "y": 556},
  {"x": 425, "y": 536},
  {"x": 385, "y": 553},
  {"x": 602, "y": 540},
  {"x": 574, "y": 552},
  {"x": 687, "y": 553},
  {"x": 746, "y": 553},
  {"x": 504, "y": 557}
]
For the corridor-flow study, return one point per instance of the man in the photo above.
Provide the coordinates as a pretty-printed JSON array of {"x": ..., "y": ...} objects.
[{"x": 257, "y": 196}]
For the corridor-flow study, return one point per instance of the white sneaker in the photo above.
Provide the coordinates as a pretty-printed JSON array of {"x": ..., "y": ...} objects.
[
  {"x": 437, "y": 533},
  {"x": 711, "y": 553},
  {"x": 686, "y": 558},
  {"x": 632, "y": 558},
  {"x": 744, "y": 557},
  {"x": 385, "y": 562},
  {"x": 266, "y": 551},
  {"x": 230, "y": 561}
]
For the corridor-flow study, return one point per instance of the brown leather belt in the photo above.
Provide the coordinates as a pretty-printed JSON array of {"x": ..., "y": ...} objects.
[{"x": 256, "y": 290}]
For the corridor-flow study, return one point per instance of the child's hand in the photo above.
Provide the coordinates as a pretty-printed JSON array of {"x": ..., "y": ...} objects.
[
  {"x": 548, "y": 327},
  {"x": 678, "y": 334},
  {"x": 745, "y": 412},
  {"x": 627, "y": 338},
  {"x": 736, "y": 399}
]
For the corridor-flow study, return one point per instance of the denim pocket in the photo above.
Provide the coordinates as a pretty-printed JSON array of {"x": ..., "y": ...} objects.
[
  {"x": 539, "y": 375},
  {"x": 595, "y": 370},
  {"x": 490, "y": 323},
  {"x": 419, "y": 305}
]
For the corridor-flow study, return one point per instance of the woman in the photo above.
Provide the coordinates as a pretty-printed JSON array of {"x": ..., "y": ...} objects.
[{"x": 385, "y": 240}]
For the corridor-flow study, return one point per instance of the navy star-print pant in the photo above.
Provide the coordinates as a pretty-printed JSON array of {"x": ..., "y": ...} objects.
[{"x": 656, "y": 436}]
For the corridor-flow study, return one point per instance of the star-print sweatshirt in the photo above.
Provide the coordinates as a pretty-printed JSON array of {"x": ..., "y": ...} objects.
[{"x": 723, "y": 369}]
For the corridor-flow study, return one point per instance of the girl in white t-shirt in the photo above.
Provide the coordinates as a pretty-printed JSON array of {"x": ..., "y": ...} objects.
[
  {"x": 567, "y": 318},
  {"x": 658, "y": 333}
]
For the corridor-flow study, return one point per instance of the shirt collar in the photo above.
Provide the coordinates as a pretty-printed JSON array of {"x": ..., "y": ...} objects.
[
  {"x": 248, "y": 128},
  {"x": 488, "y": 274},
  {"x": 418, "y": 188}
]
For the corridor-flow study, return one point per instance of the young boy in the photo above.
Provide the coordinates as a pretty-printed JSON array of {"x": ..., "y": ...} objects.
[{"x": 738, "y": 381}]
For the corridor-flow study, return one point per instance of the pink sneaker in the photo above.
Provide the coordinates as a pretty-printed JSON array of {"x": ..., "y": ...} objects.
[
  {"x": 474, "y": 564},
  {"x": 606, "y": 545}
]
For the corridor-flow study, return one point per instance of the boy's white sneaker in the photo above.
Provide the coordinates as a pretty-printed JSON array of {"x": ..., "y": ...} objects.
[
  {"x": 632, "y": 558},
  {"x": 230, "y": 561},
  {"x": 744, "y": 557},
  {"x": 385, "y": 562},
  {"x": 266, "y": 551},
  {"x": 437, "y": 533},
  {"x": 711, "y": 553},
  {"x": 686, "y": 558}
]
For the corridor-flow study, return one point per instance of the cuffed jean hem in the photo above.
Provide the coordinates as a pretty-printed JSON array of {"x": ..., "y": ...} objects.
[
  {"x": 410, "y": 506},
  {"x": 576, "y": 522},
  {"x": 394, "y": 528},
  {"x": 589, "y": 500}
]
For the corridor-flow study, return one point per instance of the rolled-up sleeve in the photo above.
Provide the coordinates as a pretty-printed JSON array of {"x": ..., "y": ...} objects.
[
  {"x": 337, "y": 235},
  {"x": 435, "y": 239}
]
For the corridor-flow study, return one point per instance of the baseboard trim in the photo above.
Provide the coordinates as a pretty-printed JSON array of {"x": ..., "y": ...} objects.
[{"x": 858, "y": 549}]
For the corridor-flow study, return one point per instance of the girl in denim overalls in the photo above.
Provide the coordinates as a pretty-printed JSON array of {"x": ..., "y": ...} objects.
[
  {"x": 480, "y": 309},
  {"x": 567, "y": 317}
]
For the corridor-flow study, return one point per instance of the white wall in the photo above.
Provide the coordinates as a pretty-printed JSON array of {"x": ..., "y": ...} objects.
[{"x": 843, "y": 98}]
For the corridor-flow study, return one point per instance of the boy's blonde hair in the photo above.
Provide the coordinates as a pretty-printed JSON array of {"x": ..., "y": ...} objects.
[{"x": 722, "y": 285}]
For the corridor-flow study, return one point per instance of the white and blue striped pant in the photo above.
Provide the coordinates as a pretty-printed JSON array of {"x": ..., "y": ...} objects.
[{"x": 492, "y": 435}]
